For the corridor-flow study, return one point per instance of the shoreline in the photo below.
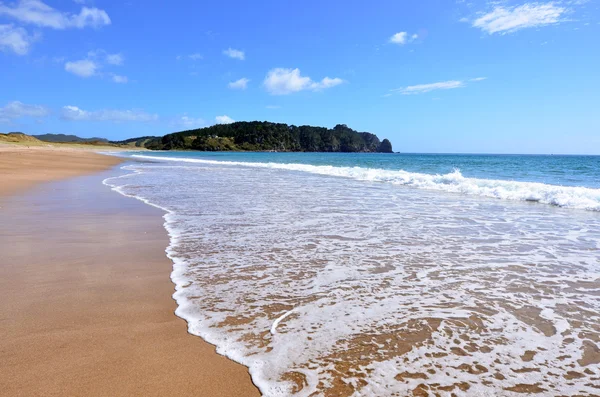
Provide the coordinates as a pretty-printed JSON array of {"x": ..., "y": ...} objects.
[{"x": 86, "y": 301}]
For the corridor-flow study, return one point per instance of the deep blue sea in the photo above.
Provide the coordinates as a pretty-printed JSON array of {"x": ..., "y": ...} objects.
[{"x": 374, "y": 274}]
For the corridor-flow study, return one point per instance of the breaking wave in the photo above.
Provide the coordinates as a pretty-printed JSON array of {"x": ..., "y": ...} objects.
[{"x": 454, "y": 182}]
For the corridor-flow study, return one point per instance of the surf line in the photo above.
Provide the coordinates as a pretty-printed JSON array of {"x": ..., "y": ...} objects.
[{"x": 280, "y": 319}]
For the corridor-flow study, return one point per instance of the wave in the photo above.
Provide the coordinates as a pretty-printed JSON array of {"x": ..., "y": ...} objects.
[
  {"x": 454, "y": 182},
  {"x": 305, "y": 309}
]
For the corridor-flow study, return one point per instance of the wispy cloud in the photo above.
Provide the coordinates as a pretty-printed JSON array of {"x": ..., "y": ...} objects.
[
  {"x": 15, "y": 39},
  {"x": 281, "y": 81},
  {"x": 103, "y": 56},
  {"x": 529, "y": 15},
  {"x": 15, "y": 109},
  {"x": 196, "y": 56},
  {"x": 96, "y": 60},
  {"x": 402, "y": 38},
  {"x": 73, "y": 113},
  {"x": 119, "y": 79},
  {"x": 224, "y": 119},
  {"x": 273, "y": 107},
  {"x": 425, "y": 88},
  {"x": 114, "y": 59},
  {"x": 233, "y": 53},
  {"x": 188, "y": 123},
  {"x": 37, "y": 13},
  {"x": 240, "y": 84}
]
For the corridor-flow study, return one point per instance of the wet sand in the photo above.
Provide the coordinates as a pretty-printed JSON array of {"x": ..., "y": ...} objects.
[{"x": 85, "y": 294}]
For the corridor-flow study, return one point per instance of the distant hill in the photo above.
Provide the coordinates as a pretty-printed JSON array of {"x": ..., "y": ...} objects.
[
  {"x": 266, "y": 136},
  {"x": 20, "y": 138},
  {"x": 62, "y": 138}
]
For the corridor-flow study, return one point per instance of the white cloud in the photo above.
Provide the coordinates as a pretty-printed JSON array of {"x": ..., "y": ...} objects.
[
  {"x": 224, "y": 120},
  {"x": 273, "y": 107},
  {"x": 94, "y": 61},
  {"x": 82, "y": 68},
  {"x": 15, "y": 39},
  {"x": 188, "y": 123},
  {"x": 399, "y": 38},
  {"x": 240, "y": 84},
  {"x": 505, "y": 20},
  {"x": 16, "y": 109},
  {"x": 443, "y": 85},
  {"x": 282, "y": 81},
  {"x": 402, "y": 38},
  {"x": 233, "y": 53},
  {"x": 114, "y": 59},
  {"x": 74, "y": 113},
  {"x": 38, "y": 13},
  {"x": 119, "y": 79},
  {"x": 326, "y": 83}
]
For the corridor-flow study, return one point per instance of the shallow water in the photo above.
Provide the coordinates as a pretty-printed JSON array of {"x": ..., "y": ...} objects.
[{"x": 346, "y": 285}]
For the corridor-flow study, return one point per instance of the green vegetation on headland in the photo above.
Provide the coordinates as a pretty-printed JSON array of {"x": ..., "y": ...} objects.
[
  {"x": 239, "y": 136},
  {"x": 266, "y": 136}
]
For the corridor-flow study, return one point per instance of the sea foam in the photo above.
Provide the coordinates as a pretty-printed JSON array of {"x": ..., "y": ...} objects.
[
  {"x": 333, "y": 286},
  {"x": 454, "y": 182}
]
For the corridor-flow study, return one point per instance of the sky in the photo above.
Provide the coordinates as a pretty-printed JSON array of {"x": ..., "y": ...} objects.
[{"x": 449, "y": 76}]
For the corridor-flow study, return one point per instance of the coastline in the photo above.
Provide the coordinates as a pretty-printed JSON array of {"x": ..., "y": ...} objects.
[{"x": 85, "y": 293}]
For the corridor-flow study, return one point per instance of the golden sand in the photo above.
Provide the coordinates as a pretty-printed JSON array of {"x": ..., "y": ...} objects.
[{"x": 85, "y": 294}]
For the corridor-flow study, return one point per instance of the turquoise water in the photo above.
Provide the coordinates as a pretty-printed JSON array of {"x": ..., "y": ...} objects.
[
  {"x": 555, "y": 170},
  {"x": 563, "y": 181}
]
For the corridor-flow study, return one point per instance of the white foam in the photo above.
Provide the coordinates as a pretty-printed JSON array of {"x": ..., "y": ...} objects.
[
  {"x": 454, "y": 182},
  {"x": 279, "y": 319},
  {"x": 349, "y": 260}
]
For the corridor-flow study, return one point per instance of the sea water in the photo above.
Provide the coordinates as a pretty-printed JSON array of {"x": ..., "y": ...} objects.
[{"x": 386, "y": 275}]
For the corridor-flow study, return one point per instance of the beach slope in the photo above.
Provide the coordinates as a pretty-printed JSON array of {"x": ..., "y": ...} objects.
[{"x": 85, "y": 294}]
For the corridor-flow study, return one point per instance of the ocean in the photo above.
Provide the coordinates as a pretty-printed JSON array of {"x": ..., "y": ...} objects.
[{"x": 386, "y": 274}]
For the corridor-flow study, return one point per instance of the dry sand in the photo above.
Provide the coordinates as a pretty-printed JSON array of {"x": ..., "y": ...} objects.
[
  {"x": 22, "y": 166},
  {"x": 85, "y": 294}
]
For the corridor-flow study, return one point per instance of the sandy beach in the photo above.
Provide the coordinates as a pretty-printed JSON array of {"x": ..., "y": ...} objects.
[
  {"x": 22, "y": 166},
  {"x": 85, "y": 294}
]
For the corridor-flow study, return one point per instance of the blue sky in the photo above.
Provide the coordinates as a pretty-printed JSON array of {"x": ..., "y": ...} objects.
[{"x": 432, "y": 76}]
